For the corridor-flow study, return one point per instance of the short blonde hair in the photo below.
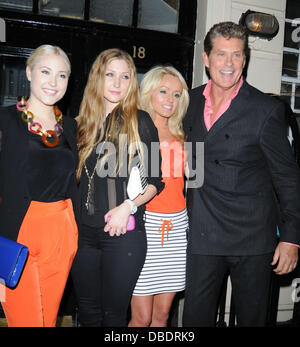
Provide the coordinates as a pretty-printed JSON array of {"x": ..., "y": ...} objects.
[
  {"x": 150, "y": 82},
  {"x": 44, "y": 50}
]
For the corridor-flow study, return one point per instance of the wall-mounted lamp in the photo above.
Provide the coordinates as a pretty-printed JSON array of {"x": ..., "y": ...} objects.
[{"x": 260, "y": 24}]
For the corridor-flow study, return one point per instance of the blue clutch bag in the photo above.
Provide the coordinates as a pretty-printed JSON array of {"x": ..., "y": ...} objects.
[{"x": 13, "y": 256}]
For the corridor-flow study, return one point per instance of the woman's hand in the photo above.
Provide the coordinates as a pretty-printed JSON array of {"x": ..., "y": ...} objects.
[
  {"x": 119, "y": 216},
  {"x": 117, "y": 219}
]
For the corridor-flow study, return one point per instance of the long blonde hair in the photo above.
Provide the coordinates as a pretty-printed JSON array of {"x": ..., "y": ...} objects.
[
  {"x": 123, "y": 118},
  {"x": 151, "y": 81}
]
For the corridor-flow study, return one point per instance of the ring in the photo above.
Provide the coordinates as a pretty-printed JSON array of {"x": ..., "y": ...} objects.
[
  {"x": 21, "y": 106},
  {"x": 55, "y": 139},
  {"x": 33, "y": 125},
  {"x": 25, "y": 116}
]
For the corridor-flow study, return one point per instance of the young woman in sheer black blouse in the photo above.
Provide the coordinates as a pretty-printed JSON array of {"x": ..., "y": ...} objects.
[{"x": 112, "y": 134}]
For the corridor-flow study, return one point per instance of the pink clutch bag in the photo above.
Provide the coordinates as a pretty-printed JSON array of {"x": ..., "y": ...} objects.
[{"x": 131, "y": 223}]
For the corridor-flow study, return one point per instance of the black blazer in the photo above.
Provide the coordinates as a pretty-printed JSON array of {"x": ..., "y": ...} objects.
[
  {"x": 14, "y": 195},
  {"x": 248, "y": 168}
]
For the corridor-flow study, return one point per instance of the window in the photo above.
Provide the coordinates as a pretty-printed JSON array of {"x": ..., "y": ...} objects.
[
  {"x": 62, "y": 8},
  {"x": 23, "y": 5},
  {"x": 159, "y": 15},
  {"x": 290, "y": 86},
  {"x": 116, "y": 12},
  {"x": 14, "y": 83}
]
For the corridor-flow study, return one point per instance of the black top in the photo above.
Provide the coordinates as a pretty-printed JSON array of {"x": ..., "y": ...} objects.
[
  {"x": 49, "y": 169},
  {"x": 15, "y": 191},
  {"x": 99, "y": 200}
]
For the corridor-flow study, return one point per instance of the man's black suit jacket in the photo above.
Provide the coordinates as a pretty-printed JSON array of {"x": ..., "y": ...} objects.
[
  {"x": 248, "y": 169},
  {"x": 14, "y": 195}
]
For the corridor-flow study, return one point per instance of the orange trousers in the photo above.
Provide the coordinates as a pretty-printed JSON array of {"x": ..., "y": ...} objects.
[{"x": 50, "y": 232}]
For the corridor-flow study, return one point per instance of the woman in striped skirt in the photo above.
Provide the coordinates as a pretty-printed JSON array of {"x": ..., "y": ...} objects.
[{"x": 164, "y": 95}]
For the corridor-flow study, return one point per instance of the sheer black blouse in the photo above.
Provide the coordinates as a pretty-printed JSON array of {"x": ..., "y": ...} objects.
[{"x": 93, "y": 214}]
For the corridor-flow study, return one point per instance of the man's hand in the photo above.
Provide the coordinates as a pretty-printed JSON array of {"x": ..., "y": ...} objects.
[{"x": 286, "y": 257}]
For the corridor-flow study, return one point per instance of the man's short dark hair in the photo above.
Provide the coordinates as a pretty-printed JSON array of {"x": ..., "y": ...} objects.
[{"x": 228, "y": 30}]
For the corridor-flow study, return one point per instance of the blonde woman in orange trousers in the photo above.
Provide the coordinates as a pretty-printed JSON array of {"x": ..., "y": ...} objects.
[{"x": 38, "y": 159}]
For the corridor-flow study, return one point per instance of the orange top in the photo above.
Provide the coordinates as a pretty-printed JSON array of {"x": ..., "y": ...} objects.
[{"x": 171, "y": 198}]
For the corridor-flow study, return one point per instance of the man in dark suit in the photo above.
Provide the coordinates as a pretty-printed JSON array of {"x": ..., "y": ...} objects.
[{"x": 251, "y": 185}]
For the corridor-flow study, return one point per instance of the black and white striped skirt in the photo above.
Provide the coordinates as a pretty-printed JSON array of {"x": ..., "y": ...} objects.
[{"x": 164, "y": 268}]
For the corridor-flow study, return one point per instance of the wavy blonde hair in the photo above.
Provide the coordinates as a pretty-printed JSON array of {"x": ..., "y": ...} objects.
[
  {"x": 91, "y": 118},
  {"x": 150, "y": 82}
]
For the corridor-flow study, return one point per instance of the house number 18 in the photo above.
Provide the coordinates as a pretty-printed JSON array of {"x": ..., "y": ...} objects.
[{"x": 139, "y": 52}]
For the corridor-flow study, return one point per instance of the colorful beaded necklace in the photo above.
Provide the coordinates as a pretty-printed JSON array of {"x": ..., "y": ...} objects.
[{"x": 28, "y": 116}]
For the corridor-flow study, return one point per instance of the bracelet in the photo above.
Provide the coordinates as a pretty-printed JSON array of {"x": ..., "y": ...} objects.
[{"x": 132, "y": 205}]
